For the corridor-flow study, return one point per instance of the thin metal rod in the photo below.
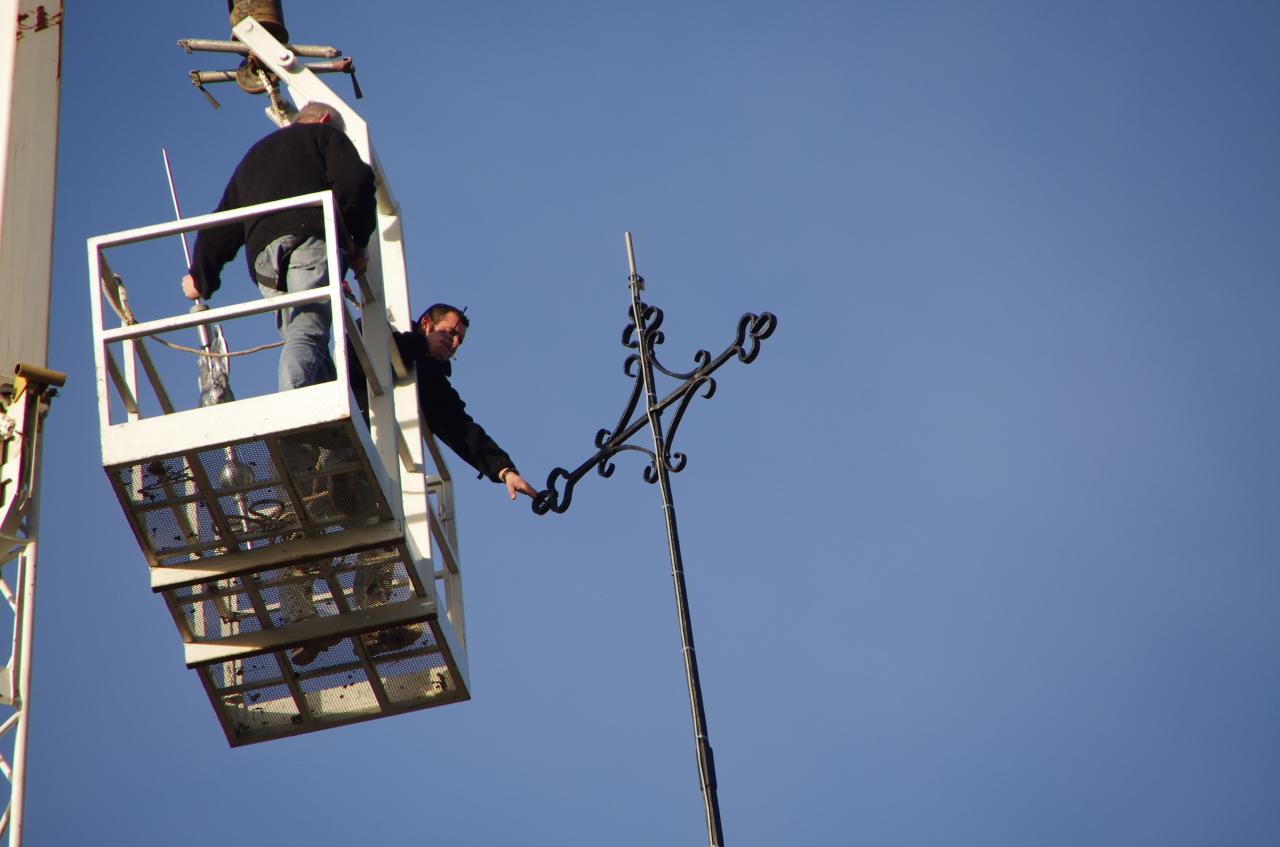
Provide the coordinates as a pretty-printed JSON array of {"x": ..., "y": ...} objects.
[
  {"x": 205, "y": 340},
  {"x": 177, "y": 210},
  {"x": 336, "y": 66},
  {"x": 706, "y": 761}
]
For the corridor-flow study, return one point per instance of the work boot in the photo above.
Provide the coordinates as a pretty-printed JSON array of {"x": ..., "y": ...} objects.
[
  {"x": 375, "y": 593},
  {"x": 349, "y": 491},
  {"x": 307, "y": 653},
  {"x": 391, "y": 640},
  {"x": 351, "y": 495}
]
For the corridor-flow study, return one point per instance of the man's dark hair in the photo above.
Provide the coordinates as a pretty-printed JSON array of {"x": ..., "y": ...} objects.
[{"x": 438, "y": 311}]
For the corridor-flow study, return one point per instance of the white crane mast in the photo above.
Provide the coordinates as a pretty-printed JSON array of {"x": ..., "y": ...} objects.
[
  {"x": 30, "y": 80},
  {"x": 29, "y": 87}
]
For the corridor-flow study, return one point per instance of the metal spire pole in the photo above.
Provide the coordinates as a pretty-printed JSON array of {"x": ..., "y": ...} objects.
[
  {"x": 642, "y": 334},
  {"x": 706, "y": 761}
]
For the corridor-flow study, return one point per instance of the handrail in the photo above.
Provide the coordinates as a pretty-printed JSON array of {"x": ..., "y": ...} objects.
[
  {"x": 145, "y": 233},
  {"x": 215, "y": 315},
  {"x": 137, "y": 332}
]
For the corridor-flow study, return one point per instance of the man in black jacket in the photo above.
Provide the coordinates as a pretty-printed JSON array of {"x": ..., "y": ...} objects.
[
  {"x": 286, "y": 253},
  {"x": 438, "y": 334},
  {"x": 286, "y": 250},
  {"x": 436, "y": 337}
]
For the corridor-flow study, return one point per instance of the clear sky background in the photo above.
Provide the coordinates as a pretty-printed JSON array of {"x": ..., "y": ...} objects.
[{"x": 982, "y": 550}]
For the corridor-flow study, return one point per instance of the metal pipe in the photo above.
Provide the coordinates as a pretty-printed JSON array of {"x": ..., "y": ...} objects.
[
  {"x": 207, "y": 45},
  {"x": 334, "y": 66},
  {"x": 42, "y": 376},
  {"x": 337, "y": 66},
  {"x": 706, "y": 762},
  {"x": 206, "y": 77}
]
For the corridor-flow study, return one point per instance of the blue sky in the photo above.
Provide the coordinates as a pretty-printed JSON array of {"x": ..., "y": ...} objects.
[{"x": 982, "y": 549}]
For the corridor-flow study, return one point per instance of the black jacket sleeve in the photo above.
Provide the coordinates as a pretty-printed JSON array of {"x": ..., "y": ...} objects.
[
  {"x": 216, "y": 246},
  {"x": 298, "y": 159},
  {"x": 353, "y": 185},
  {"x": 445, "y": 412}
]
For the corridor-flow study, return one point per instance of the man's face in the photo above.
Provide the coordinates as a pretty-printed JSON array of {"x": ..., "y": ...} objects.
[{"x": 452, "y": 329}]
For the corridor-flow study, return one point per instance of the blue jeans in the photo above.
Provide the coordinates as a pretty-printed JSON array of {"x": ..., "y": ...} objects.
[{"x": 305, "y": 359}]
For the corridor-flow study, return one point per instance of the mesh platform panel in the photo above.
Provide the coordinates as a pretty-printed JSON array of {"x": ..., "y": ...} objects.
[
  {"x": 263, "y": 494},
  {"x": 384, "y": 672},
  {"x": 251, "y": 494},
  {"x": 277, "y": 596}
]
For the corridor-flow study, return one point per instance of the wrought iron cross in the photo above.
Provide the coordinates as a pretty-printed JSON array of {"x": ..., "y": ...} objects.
[{"x": 642, "y": 334}]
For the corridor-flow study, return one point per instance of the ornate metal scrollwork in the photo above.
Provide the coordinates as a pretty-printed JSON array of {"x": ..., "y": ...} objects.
[
  {"x": 752, "y": 329},
  {"x": 758, "y": 328},
  {"x": 676, "y": 461},
  {"x": 653, "y": 336}
]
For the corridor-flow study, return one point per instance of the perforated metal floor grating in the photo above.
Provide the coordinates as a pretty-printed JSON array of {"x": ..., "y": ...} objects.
[
  {"x": 249, "y": 495},
  {"x": 262, "y": 545},
  {"x": 278, "y": 596},
  {"x": 375, "y": 674}
]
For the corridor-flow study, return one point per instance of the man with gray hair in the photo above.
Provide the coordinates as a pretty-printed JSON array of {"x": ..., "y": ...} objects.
[
  {"x": 286, "y": 254},
  {"x": 286, "y": 250}
]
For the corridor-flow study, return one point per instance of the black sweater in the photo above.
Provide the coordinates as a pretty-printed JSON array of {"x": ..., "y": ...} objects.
[
  {"x": 297, "y": 159},
  {"x": 446, "y": 413},
  {"x": 441, "y": 406}
]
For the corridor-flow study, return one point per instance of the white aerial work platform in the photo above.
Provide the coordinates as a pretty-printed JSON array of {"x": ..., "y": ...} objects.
[{"x": 283, "y": 520}]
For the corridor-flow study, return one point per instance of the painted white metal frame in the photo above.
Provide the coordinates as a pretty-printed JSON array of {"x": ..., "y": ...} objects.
[
  {"x": 387, "y": 266},
  {"x": 421, "y": 504},
  {"x": 137, "y": 436}
]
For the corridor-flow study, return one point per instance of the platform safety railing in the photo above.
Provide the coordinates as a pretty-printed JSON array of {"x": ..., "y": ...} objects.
[{"x": 125, "y": 380}]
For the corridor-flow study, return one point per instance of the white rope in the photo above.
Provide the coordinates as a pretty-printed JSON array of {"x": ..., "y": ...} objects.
[{"x": 118, "y": 296}]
